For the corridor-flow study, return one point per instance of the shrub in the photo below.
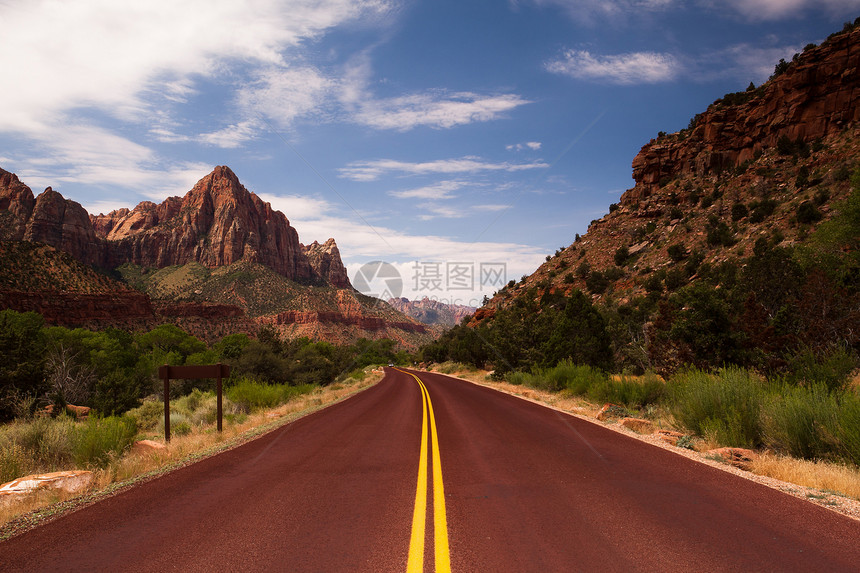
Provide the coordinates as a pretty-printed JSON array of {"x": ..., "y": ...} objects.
[
  {"x": 848, "y": 428},
  {"x": 832, "y": 369},
  {"x": 621, "y": 255},
  {"x": 724, "y": 407},
  {"x": 798, "y": 421},
  {"x": 739, "y": 211},
  {"x": 677, "y": 252},
  {"x": 250, "y": 395},
  {"x": 148, "y": 415},
  {"x": 101, "y": 439},
  {"x": 808, "y": 213},
  {"x": 596, "y": 282}
]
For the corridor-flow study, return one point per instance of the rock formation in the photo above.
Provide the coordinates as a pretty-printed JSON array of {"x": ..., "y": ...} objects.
[
  {"x": 818, "y": 95},
  {"x": 432, "y": 311},
  {"x": 326, "y": 262},
  {"x": 217, "y": 223}
]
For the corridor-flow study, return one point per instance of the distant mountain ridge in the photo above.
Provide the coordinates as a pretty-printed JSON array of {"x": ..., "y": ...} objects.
[
  {"x": 217, "y": 223},
  {"x": 201, "y": 258},
  {"x": 432, "y": 312}
]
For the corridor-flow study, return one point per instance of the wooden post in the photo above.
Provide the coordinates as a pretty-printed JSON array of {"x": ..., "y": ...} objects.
[
  {"x": 218, "y": 371},
  {"x": 218, "y": 391},
  {"x": 165, "y": 375}
]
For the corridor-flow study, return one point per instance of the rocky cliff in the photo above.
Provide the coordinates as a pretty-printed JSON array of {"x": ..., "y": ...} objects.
[
  {"x": 816, "y": 95},
  {"x": 326, "y": 263},
  {"x": 768, "y": 163},
  {"x": 217, "y": 223},
  {"x": 430, "y": 311}
]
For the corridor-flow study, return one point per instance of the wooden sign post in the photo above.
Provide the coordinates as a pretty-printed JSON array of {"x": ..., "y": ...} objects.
[{"x": 166, "y": 373}]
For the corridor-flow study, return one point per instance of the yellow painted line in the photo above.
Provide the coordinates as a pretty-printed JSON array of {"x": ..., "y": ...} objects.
[{"x": 415, "y": 564}]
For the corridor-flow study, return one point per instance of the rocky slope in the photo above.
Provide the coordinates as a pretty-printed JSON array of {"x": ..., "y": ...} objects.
[
  {"x": 432, "y": 312},
  {"x": 768, "y": 163},
  {"x": 217, "y": 223},
  {"x": 215, "y": 260},
  {"x": 326, "y": 263}
]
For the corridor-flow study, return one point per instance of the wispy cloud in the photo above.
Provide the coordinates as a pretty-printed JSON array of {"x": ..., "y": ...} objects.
[
  {"x": 439, "y": 191},
  {"x": 598, "y": 11},
  {"x": 374, "y": 169},
  {"x": 78, "y": 67},
  {"x": 533, "y": 145},
  {"x": 437, "y": 109},
  {"x": 782, "y": 9},
  {"x": 625, "y": 69},
  {"x": 283, "y": 94}
]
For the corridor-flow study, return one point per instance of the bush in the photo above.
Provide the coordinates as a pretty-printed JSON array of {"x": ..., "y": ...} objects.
[
  {"x": 249, "y": 395},
  {"x": 832, "y": 370},
  {"x": 148, "y": 415},
  {"x": 798, "y": 421},
  {"x": 848, "y": 428},
  {"x": 808, "y": 213},
  {"x": 621, "y": 255},
  {"x": 724, "y": 407},
  {"x": 633, "y": 393},
  {"x": 677, "y": 252},
  {"x": 739, "y": 211},
  {"x": 100, "y": 440}
]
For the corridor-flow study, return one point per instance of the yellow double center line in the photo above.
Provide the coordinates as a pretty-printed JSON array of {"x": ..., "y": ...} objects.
[{"x": 415, "y": 564}]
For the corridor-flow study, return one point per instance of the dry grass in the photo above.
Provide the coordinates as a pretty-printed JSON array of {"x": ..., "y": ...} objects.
[
  {"x": 826, "y": 476},
  {"x": 199, "y": 443},
  {"x": 841, "y": 480}
]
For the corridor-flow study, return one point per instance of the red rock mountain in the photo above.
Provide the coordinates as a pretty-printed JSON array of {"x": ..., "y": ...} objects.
[
  {"x": 432, "y": 311},
  {"x": 217, "y": 223},
  {"x": 744, "y": 168},
  {"x": 326, "y": 262},
  {"x": 817, "y": 96}
]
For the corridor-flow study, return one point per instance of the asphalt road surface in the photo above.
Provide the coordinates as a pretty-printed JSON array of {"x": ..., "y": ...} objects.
[{"x": 432, "y": 473}]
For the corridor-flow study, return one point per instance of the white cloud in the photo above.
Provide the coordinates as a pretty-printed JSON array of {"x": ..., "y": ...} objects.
[
  {"x": 73, "y": 62},
  {"x": 625, "y": 69},
  {"x": 359, "y": 244},
  {"x": 439, "y": 191},
  {"x": 439, "y": 109},
  {"x": 286, "y": 93},
  {"x": 592, "y": 11},
  {"x": 780, "y": 9},
  {"x": 299, "y": 207},
  {"x": 373, "y": 170},
  {"x": 108, "y": 55},
  {"x": 435, "y": 109},
  {"x": 533, "y": 145},
  {"x": 743, "y": 61},
  {"x": 232, "y": 136}
]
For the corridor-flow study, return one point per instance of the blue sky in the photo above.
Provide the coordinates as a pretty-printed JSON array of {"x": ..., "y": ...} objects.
[{"x": 434, "y": 135}]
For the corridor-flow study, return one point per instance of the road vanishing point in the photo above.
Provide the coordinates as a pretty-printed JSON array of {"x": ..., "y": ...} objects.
[{"x": 423, "y": 472}]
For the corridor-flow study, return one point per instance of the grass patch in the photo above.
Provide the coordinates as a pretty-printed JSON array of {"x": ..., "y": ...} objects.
[
  {"x": 131, "y": 467},
  {"x": 724, "y": 407},
  {"x": 840, "y": 479}
]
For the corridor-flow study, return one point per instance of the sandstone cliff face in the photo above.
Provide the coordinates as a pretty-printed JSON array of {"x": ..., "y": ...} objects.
[
  {"x": 16, "y": 206},
  {"x": 430, "y": 311},
  {"x": 64, "y": 224},
  {"x": 217, "y": 223},
  {"x": 326, "y": 262},
  {"x": 819, "y": 95}
]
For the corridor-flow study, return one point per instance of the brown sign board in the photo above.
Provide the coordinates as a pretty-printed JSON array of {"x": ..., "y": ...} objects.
[
  {"x": 190, "y": 372},
  {"x": 168, "y": 373}
]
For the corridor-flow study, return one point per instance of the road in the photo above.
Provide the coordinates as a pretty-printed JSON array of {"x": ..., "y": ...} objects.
[{"x": 525, "y": 488}]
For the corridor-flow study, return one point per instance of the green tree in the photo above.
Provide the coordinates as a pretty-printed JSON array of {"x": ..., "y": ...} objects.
[{"x": 22, "y": 359}]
